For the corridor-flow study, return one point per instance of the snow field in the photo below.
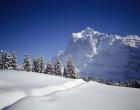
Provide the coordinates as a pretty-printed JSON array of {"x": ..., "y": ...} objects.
[
  {"x": 35, "y": 91},
  {"x": 10, "y": 92}
]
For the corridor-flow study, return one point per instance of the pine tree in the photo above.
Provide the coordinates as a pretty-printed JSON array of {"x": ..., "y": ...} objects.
[
  {"x": 14, "y": 61},
  {"x": 42, "y": 65},
  {"x": 36, "y": 65},
  {"x": 70, "y": 70},
  {"x": 27, "y": 63},
  {"x": 4, "y": 60},
  {"x": 58, "y": 68},
  {"x": 49, "y": 68}
]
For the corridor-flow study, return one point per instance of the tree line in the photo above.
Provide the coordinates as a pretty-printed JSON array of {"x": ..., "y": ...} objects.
[{"x": 9, "y": 62}]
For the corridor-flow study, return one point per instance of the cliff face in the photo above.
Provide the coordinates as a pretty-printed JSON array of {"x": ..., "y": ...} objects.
[{"x": 105, "y": 56}]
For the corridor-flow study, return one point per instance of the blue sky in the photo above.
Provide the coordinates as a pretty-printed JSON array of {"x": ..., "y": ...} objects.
[{"x": 43, "y": 27}]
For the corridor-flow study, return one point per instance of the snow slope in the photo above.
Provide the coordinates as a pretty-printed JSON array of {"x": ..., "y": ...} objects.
[
  {"x": 15, "y": 85},
  {"x": 111, "y": 57},
  {"x": 35, "y": 91}
]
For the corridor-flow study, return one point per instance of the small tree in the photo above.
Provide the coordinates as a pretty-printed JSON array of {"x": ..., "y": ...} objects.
[
  {"x": 14, "y": 61},
  {"x": 49, "y": 68},
  {"x": 70, "y": 69},
  {"x": 58, "y": 68},
  {"x": 42, "y": 65},
  {"x": 27, "y": 63}
]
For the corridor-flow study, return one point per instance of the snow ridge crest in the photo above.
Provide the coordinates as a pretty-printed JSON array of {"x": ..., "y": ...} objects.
[{"x": 90, "y": 33}]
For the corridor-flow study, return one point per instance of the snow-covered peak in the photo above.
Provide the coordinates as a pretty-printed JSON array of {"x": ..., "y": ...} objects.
[
  {"x": 88, "y": 32},
  {"x": 92, "y": 35}
]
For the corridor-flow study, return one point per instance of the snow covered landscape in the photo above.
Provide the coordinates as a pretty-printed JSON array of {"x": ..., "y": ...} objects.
[
  {"x": 75, "y": 84},
  {"x": 20, "y": 90},
  {"x": 69, "y": 54}
]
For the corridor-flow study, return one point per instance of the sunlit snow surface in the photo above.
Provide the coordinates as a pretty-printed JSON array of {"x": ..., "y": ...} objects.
[{"x": 36, "y": 91}]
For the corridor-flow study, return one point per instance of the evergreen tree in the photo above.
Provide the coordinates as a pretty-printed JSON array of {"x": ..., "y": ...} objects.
[
  {"x": 27, "y": 63},
  {"x": 4, "y": 60},
  {"x": 49, "y": 68},
  {"x": 42, "y": 65},
  {"x": 14, "y": 61},
  {"x": 58, "y": 68},
  {"x": 36, "y": 65},
  {"x": 70, "y": 70}
]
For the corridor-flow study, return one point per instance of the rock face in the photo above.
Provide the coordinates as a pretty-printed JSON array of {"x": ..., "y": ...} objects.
[{"x": 111, "y": 57}]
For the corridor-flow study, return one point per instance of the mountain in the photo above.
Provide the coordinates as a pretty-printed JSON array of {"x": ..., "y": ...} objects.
[{"x": 111, "y": 57}]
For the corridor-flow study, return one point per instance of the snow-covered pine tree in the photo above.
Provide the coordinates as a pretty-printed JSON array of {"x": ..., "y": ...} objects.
[
  {"x": 49, "y": 68},
  {"x": 70, "y": 70},
  {"x": 14, "y": 61},
  {"x": 27, "y": 63},
  {"x": 42, "y": 65},
  {"x": 36, "y": 65},
  {"x": 8, "y": 60},
  {"x": 5, "y": 60},
  {"x": 58, "y": 67}
]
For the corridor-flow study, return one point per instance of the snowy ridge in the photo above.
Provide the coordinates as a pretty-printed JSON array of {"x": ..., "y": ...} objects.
[
  {"x": 105, "y": 56},
  {"x": 88, "y": 32},
  {"x": 52, "y": 89}
]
